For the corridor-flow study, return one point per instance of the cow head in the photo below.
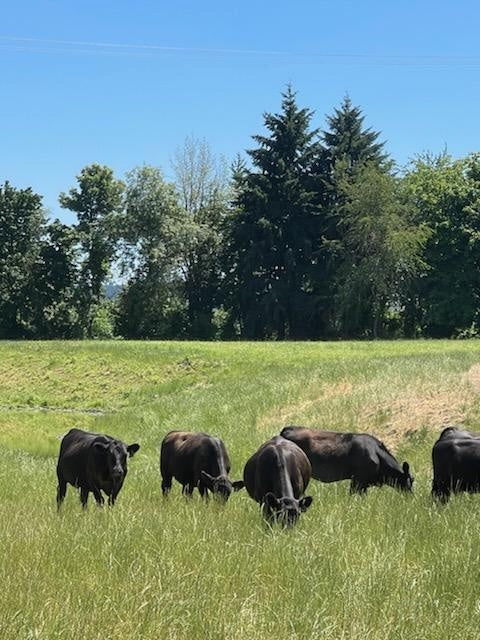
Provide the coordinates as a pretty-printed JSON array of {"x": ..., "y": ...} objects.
[
  {"x": 286, "y": 511},
  {"x": 220, "y": 486},
  {"x": 405, "y": 480},
  {"x": 113, "y": 456}
]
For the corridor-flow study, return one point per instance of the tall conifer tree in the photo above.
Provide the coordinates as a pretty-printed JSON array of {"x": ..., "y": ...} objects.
[
  {"x": 276, "y": 230},
  {"x": 347, "y": 141},
  {"x": 348, "y": 148}
]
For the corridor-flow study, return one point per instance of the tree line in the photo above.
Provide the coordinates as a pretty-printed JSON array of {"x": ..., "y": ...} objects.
[{"x": 316, "y": 234}]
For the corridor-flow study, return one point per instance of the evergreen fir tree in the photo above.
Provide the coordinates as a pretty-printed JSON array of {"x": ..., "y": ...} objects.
[
  {"x": 349, "y": 147},
  {"x": 276, "y": 229},
  {"x": 348, "y": 142}
]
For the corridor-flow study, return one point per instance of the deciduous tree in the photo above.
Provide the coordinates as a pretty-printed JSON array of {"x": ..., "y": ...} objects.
[
  {"x": 97, "y": 201},
  {"x": 54, "y": 283},
  {"x": 150, "y": 231},
  {"x": 21, "y": 222},
  {"x": 382, "y": 252},
  {"x": 445, "y": 194},
  {"x": 202, "y": 184}
]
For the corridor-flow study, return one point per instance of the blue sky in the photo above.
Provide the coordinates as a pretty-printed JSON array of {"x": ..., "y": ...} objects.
[{"x": 69, "y": 97}]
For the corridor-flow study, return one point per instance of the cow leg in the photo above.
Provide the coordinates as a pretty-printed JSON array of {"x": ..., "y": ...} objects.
[
  {"x": 188, "y": 489},
  {"x": 165, "y": 472},
  {"x": 84, "y": 497},
  {"x": 203, "y": 490},
  {"x": 440, "y": 491},
  {"x": 443, "y": 496},
  {"x": 61, "y": 491},
  {"x": 460, "y": 486},
  {"x": 358, "y": 487},
  {"x": 113, "y": 496},
  {"x": 166, "y": 485},
  {"x": 98, "y": 497}
]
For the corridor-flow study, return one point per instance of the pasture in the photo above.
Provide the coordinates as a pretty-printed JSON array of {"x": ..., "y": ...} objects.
[{"x": 384, "y": 566}]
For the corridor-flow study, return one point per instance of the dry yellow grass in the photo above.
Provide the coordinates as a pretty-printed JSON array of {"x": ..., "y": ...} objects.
[{"x": 390, "y": 411}]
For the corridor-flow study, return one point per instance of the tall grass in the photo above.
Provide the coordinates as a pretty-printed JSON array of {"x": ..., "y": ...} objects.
[{"x": 383, "y": 566}]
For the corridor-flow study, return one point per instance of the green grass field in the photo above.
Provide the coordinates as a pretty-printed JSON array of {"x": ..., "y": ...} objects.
[{"x": 386, "y": 566}]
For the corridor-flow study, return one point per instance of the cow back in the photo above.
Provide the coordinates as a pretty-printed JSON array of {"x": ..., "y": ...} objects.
[
  {"x": 185, "y": 454},
  {"x": 328, "y": 451},
  {"x": 278, "y": 466},
  {"x": 77, "y": 461}
]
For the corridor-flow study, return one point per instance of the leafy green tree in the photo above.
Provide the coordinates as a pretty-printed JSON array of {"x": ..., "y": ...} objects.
[
  {"x": 382, "y": 252},
  {"x": 275, "y": 232},
  {"x": 151, "y": 303},
  {"x": 21, "y": 222},
  {"x": 97, "y": 201},
  {"x": 201, "y": 181},
  {"x": 104, "y": 320},
  {"x": 54, "y": 283},
  {"x": 445, "y": 194}
]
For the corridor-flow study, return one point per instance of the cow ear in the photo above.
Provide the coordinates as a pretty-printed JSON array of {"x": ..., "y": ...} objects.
[
  {"x": 207, "y": 479},
  {"x": 237, "y": 485},
  {"x": 132, "y": 449},
  {"x": 305, "y": 503},
  {"x": 270, "y": 501},
  {"x": 406, "y": 468}
]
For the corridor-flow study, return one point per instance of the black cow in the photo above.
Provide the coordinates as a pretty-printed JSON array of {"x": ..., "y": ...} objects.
[
  {"x": 276, "y": 477},
  {"x": 92, "y": 462},
  {"x": 196, "y": 460},
  {"x": 456, "y": 463},
  {"x": 361, "y": 458}
]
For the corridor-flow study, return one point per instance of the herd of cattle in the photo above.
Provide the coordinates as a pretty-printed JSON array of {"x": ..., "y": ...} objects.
[{"x": 276, "y": 475}]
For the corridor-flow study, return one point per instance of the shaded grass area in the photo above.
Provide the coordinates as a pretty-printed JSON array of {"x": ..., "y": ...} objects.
[{"x": 386, "y": 566}]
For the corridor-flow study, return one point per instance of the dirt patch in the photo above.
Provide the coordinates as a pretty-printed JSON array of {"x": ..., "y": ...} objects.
[
  {"x": 432, "y": 407},
  {"x": 473, "y": 377},
  {"x": 342, "y": 388},
  {"x": 412, "y": 410},
  {"x": 285, "y": 414},
  {"x": 392, "y": 412}
]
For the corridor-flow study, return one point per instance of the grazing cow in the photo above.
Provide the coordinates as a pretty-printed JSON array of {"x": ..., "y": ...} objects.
[
  {"x": 360, "y": 458},
  {"x": 196, "y": 460},
  {"x": 456, "y": 463},
  {"x": 276, "y": 477},
  {"x": 92, "y": 462}
]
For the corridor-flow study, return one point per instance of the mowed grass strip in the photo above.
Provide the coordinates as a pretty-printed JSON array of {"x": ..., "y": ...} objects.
[
  {"x": 386, "y": 566},
  {"x": 99, "y": 376}
]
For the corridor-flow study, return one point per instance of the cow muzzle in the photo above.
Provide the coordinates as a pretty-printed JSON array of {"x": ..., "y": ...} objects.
[{"x": 117, "y": 476}]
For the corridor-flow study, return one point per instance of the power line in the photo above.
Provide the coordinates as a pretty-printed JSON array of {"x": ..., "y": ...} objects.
[
  {"x": 44, "y": 45},
  {"x": 144, "y": 47}
]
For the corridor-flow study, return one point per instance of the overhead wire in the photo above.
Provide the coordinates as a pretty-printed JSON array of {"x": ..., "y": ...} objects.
[{"x": 59, "y": 46}]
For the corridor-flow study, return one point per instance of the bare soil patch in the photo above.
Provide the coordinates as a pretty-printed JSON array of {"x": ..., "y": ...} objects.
[
  {"x": 315, "y": 394},
  {"x": 413, "y": 410},
  {"x": 473, "y": 377},
  {"x": 392, "y": 413}
]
